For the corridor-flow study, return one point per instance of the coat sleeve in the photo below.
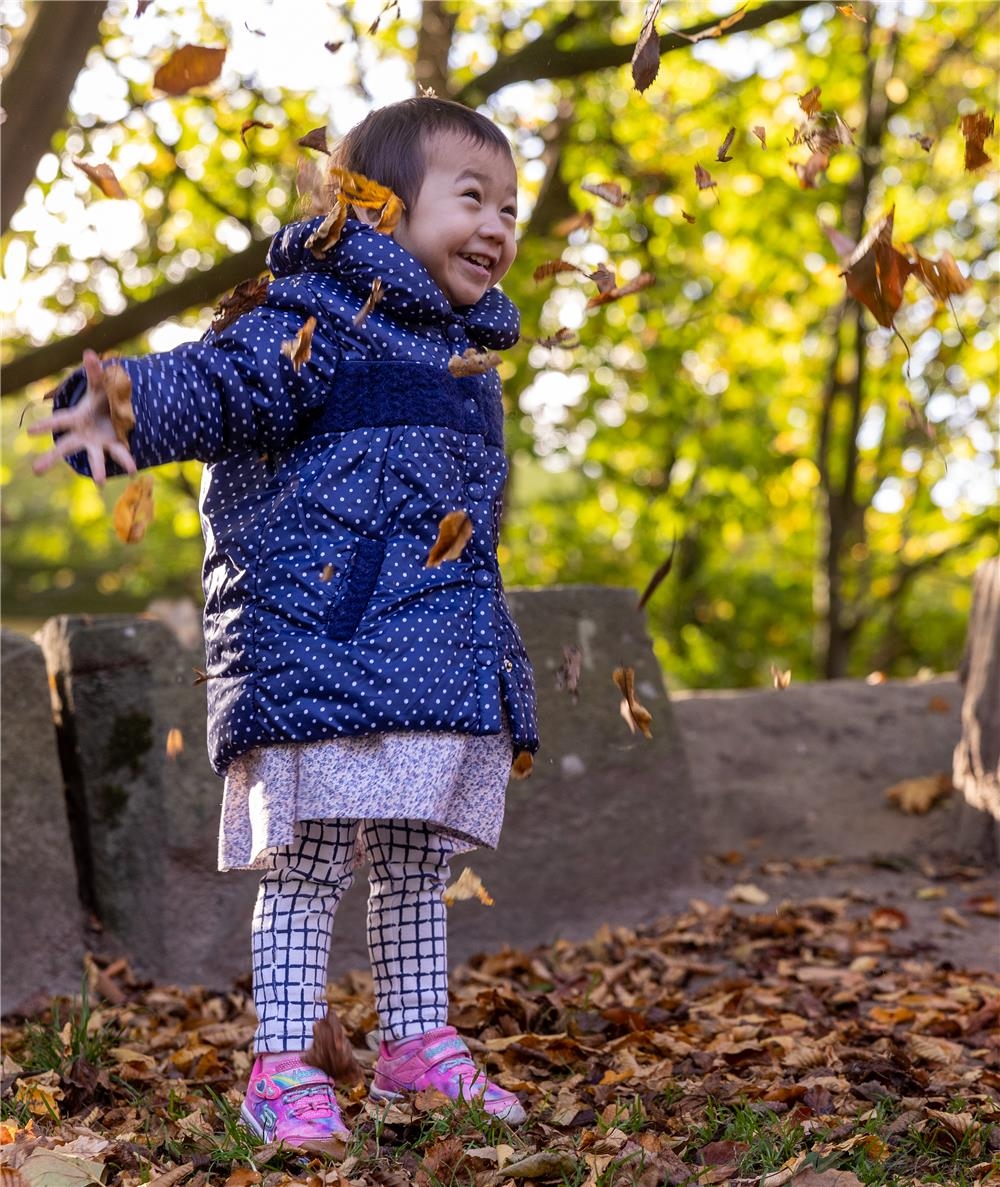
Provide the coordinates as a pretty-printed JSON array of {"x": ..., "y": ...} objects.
[{"x": 232, "y": 392}]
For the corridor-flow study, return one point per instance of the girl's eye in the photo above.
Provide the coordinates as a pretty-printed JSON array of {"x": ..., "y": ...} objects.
[
  {"x": 511, "y": 210},
  {"x": 471, "y": 194}
]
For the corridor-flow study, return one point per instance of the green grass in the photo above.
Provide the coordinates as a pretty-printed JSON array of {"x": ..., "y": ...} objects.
[{"x": 56, "y": 1043}]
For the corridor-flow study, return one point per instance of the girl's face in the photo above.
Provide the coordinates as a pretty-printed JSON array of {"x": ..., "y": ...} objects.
[{"x": 461, "y": 227}]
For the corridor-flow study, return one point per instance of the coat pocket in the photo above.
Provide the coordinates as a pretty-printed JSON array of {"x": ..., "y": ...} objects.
[{"x": 353, "y": 592}]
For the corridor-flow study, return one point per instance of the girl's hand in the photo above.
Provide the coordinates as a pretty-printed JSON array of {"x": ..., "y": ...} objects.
[{"x": 86, "y": 426}]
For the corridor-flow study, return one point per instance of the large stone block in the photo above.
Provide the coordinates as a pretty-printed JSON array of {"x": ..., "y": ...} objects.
[
  {"x": 41, "y": 920},
  {"x": 145, "y": 798},
  {"x": 804, "y": 771}
]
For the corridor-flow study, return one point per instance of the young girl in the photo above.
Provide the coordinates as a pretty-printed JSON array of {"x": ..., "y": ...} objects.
[{"x": 362, "y": 703}]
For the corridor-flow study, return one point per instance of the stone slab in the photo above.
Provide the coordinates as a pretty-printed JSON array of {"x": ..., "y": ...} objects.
[{"x": 41, "y": 920}]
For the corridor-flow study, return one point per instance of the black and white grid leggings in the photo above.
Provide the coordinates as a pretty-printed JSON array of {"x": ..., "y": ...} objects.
[{"x": 407, "y": 930}]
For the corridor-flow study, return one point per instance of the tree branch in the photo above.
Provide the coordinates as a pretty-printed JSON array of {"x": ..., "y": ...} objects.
[
  {"x": 542, "y": 58},
  {"x": 198, "y": 289}
]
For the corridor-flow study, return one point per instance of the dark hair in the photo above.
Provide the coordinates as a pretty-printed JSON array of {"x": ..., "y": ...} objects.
[{"x": 389, "y": 144}]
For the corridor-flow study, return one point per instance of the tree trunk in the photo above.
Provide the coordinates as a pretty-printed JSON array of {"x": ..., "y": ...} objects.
[
  {"x": 37, "y": 88},
  {"x": 976, "y": 769}
]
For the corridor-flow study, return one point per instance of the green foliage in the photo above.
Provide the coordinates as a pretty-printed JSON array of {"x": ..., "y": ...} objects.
[
  {"x": 697, "y": 409},
  {"x": 69, "y": 1031}
]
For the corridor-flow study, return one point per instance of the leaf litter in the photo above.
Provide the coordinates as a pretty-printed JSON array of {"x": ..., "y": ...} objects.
[{"x": 646, "y": 1057}]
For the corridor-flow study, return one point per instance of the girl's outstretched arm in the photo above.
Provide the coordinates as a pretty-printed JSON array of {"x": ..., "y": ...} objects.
[{"x": 86, "y": 427}]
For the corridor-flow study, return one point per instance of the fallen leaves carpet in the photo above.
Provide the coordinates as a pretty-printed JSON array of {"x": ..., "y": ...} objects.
[{"x": 719, "y": 1046}]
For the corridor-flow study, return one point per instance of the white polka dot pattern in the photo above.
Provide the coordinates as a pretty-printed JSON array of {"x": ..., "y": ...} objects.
[{"x": 322, "y": 497}]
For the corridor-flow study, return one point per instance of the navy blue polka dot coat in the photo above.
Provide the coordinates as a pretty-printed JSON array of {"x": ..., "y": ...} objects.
[{"x": 322, "y": 497}]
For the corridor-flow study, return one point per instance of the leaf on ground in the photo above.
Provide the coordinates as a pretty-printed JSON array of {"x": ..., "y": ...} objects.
[
  {"x": 454, "y": 532},
  {"x": 189, "y": 67},
  {"x": 133, "y": 510},
  {"x": 55, "y": 1168}
]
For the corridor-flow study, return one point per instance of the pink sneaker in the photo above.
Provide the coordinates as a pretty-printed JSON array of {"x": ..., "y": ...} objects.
[
  {"x": 439, "y": 1059},
  {"x": 292, "y": 1102}
]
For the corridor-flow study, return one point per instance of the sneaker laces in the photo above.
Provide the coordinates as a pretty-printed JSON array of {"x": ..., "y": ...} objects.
[{"x": 313, "y": 1102}]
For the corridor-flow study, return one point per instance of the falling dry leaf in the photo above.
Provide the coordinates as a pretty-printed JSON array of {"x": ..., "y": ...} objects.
[
  {"x": 851, "y": 11},
  {"x": 917, "y": 796},
  {"x": 454, "y": 532},
  {"x": 809, "y": 102},
  {"x": 760, "y": 132},
  {"x": 247, "y": 125},
  {"x": 635, "y": 716},
  {"x": 807, "y": 173},
  {"x": 925, "y": 142},
  {"x": 581, "y": 221},
  {"x": 331, "y": 1051},
  {"x": 603, "y": 277},
  {"x": 247, "y": 295},
  {"x": 563, "y": 337},
  {"x": 975, "y": 129},
  {"x": 118, "y": 389},
  {"x": 133, "y": 510},
  {"x": 610, "y": 191},
  {"x": 688, "y": 218},
  {"x": 553, "y": 267},
  {"x": 327, "y": 234},
  {"x": 876, "y": 271},
  {"x": 473, "y": 362},
  {"x": 940, "y": 277},
  {"x": 175, "y": 743},
  {"x": 616, "y": 292},
  {"x": 467, "y": 885},
  {"x": 703, "y": 178},
  {"x": 779, "y": 678},
  {"x": 299, "y": 348},
  {"x": 315, "y": 139},
  {"x": 723, "y": 150},
  {"x": 373, "y": 299},
  {"x": 188, "y": 67},
  {"x": 568, "y": 672},
  {"x": 662, "y": 571},
  {"x": 357, "y": 190},
  {"x": 646, "y": 55},
  {"x": 522, "y": 765},
  {"x": 103, "y": 177}
]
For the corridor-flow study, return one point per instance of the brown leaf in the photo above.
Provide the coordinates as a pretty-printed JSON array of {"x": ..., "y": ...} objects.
[
  {"x": 941, "y": 277},
  {"x": 688, "y": 218},
  {"x": 467, "y": 885},
  {"x": 876, "y": 271},
  {"x": 646, "y": 55},
  {"x": 723, "y": 150},
  {"x": 247, "y": 295},
  {"x": 603, "y": 277},
  {"x": 141, "y": 7},
  {"x": 662, "y": 571},
  {"x": 807, "y": 173},
  {"x": 703, "y": 178},
  {"x": 610, "y": 191},
  {"x": 543, "y": 1164},
  {"x": 188, "y": 67},
  {"x": 329, "y": 231},
  {"x": 975, "y": 129},
  {"x": 331, "y": 1051},
  {"x": 809, "y": 102},
  {"x": 299, "y": 348},
  {"x": 454, "y": 532},
  {"x": 563, "y": 337},
  {"x": 315, "y": 139},
  {"x": 781, "y": 679},
  {"x": 616, "y": 292},
  {"x": 636, "y": 717},
  {"x": 917, "y": 796},
  {"x": 390, "y": 215},
  {"x": 133, "y": 510},
  {"x": 247, "y": 125},
  {"x": 357, "y": 190},
  {"x": 553, "y": 267},
  {"x": 761, "y": 133},
  {"x": 583, "y": 220},
  {"x": 373, "y": 299},
  {"x": 851, "y": 11},
  {"x": 103, "y": 177},
  {"x": 925, "y": 142},
  {"x": 473, "y": 362},
  {"x": 118, "y": 388},
  {"x": 333, "y": 46},
  {"x": 522, "y": 765},
  {"x": 175, "y": 742},
  {"x": 568, "y": 672}
]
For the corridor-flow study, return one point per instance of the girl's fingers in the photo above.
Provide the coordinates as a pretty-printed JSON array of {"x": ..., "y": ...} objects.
[
  {"x": 66, "y": 418},
  {"x": 95, "y": 456},
  {"x": 95, "y": 372},
  {"x": 120, "y": 454}
]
